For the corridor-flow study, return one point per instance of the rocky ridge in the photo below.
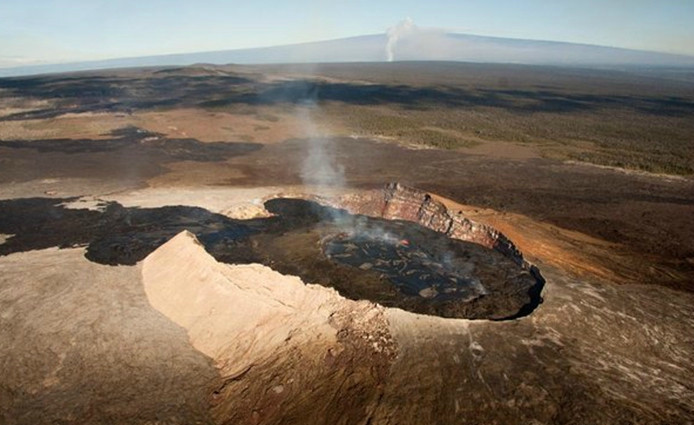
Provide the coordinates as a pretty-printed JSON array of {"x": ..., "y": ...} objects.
[{"x": 281, "y": 347}]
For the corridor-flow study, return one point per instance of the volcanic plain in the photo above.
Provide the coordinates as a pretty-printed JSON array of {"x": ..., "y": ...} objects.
[{"x": 227, "y": 244}]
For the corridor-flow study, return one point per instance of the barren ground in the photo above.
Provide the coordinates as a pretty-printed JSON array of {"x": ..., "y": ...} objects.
[{"x": 589, "y": 173}]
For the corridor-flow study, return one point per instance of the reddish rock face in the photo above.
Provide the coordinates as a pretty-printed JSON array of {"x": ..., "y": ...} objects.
[{"x": 399, "y": 202}]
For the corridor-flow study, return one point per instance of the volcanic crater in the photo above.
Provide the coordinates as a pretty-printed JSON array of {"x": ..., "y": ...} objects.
[{"x": 396, "y": 246}]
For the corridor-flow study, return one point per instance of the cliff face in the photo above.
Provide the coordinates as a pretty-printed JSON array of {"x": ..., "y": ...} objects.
[
  {"x": 405, "y": 203},
  {"x": 398, "y": 202}
]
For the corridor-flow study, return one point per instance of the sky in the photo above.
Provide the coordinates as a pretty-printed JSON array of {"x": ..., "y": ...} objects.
[{"x": 53, "y": 31}]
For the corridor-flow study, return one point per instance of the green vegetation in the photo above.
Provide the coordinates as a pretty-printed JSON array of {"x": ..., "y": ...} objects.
[
  {"x": 664, "y": 164},
  {"x": 408, "y": 127},
  {"x": 608, "y": 118},
  {"x": 609, "y": 136},
  {"x": 612, "y": 118},
  {"x": 616, "y": 118}
]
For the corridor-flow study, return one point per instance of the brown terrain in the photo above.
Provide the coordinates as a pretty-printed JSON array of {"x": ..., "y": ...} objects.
[{"x": 165, "y": 235}]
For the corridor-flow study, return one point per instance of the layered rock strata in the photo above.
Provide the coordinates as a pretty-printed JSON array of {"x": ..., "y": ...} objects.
[{"x": 399, "y": 202}]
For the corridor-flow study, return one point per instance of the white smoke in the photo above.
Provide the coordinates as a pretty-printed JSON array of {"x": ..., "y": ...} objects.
[
  {"x": 395, "y": 33},
  {"x": 361, "y": 226},
  {"x": 407, "y": 41},
  {"x": 320, "y": 166}
]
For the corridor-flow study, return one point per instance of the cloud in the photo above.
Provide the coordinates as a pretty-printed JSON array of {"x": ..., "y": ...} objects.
[{"x": 10, "y": 61}]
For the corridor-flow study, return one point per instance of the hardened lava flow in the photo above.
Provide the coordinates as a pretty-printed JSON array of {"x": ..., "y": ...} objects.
[
  {"x": 435, "y": 262},
  {"x": 396, "y": 246}
]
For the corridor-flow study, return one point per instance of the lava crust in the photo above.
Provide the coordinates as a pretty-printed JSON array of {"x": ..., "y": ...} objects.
[{"x": 396, "y": 263}]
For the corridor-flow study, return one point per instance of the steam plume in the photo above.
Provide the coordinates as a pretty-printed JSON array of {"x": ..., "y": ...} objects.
[
  {"x": 320, "y": 166},
  {"x": 396, "y": 32}
]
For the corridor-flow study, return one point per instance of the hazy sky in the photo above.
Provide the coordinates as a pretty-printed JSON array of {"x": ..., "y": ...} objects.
[{"x": 67, "y": 30}]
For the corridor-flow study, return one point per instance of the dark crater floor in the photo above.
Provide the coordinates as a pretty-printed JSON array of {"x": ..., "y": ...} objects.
[{"x": 395, "y": 263}]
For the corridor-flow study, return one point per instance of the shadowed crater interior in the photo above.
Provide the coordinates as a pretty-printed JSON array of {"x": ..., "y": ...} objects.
[{"x": 396, "y": 263}]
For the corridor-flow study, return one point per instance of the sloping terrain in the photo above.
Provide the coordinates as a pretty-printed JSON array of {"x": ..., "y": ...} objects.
[
  {"x": 182, "y": 338},
  {"x": 120, "y": 192}
]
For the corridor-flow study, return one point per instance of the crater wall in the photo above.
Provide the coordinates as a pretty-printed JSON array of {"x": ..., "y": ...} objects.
[{"x": 399, "y": 202}]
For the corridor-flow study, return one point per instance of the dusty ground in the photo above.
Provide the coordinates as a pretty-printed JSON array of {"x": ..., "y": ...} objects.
[
  {"x": 593, "y": 351},
  {"x": 610, "y": 344},
  {"x": 205, "y": 126}
]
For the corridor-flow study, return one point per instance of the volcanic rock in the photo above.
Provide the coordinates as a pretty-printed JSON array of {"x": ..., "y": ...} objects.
[
  {"x": 399, "y": 202},
  {"x": 243, "y": 344},
  {"x": 286, "y": 347},
  {"x": 405, "y": 203},
  {"x": 294, "y": 353}
]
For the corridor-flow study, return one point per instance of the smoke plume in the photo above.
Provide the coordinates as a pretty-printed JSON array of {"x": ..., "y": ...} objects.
[
  {"x": 320, "y": 167},
  {"x": 395, "y": 33}
]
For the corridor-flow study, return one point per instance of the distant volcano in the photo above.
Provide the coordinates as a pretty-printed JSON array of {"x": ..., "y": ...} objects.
[{"x": 415, "y": 46}]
